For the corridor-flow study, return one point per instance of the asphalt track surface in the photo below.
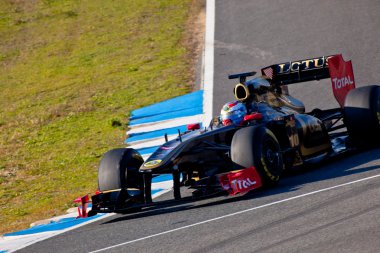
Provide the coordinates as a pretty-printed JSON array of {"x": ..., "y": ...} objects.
[{"x": 334, "y": 207}]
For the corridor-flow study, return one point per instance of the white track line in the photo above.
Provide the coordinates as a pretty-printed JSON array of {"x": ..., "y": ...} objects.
[
  {"x": 208, "y": 75},
  {"x": 240, "y": 212}
]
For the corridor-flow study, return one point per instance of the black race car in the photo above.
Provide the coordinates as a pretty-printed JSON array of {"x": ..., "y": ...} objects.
[{"x": 276, "y": 135}]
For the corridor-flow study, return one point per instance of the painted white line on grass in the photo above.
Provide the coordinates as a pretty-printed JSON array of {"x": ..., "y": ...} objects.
[
  {"x": 237, "y": 213},
  {"x": 208, "y": 84}
]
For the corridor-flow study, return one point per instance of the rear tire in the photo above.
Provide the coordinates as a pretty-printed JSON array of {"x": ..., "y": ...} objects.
[
  {"x": 257, "y": 146},
  {"x": 119, "y": 168},
  {"x": 362, "y": 115}
]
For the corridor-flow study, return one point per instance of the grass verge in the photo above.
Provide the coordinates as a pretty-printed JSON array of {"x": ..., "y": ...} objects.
[{"x": 68, "y": 71}]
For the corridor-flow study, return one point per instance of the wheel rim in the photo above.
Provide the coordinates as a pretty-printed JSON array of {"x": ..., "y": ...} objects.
[{"x": 272, "y": 156}]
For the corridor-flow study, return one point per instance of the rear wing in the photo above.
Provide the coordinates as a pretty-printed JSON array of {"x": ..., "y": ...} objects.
[
  {"x": 298, "y": 71},
  {"x": 340, "y": 72}
]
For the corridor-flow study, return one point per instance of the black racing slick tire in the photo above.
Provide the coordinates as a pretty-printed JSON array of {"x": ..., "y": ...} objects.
[
  {"x": 257, "y": 146},
  {"x": 119, "y": 168},
  {"x": 362, "y": 115}
]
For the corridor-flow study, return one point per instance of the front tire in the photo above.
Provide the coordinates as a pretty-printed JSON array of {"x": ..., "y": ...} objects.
[
  {"x": 257, "y": 146},
  {"x": 119, "y": 168}
]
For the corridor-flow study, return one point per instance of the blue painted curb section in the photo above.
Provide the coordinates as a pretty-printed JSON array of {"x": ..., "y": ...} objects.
[
  {"x": 167, "y": 116},
  {"x": 155, "y": 134},
  {"x": 188, "y": 101},
  {"x": 162, "y": 178},
  {"x": 180, "y": 111},
  {"x": 182, "y": 106},
  {"x": 54, "y": 225}
]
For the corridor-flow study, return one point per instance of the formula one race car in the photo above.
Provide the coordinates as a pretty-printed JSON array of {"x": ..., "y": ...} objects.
[{"x": 252, "y": 142}]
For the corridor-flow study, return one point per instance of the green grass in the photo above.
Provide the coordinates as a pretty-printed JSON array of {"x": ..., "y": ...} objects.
[{"x": 70, "y": 73}]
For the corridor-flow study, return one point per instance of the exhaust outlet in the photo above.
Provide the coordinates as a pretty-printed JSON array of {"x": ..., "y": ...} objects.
[{"x": 241, "y": 92}]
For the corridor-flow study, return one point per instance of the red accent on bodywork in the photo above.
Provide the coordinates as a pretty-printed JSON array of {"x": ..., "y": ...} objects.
[
  {"x": 253, "y": 116},
  {"x": 193, "y": 127},
  {"x": 241, "y": 181},
  {"x": 82, "y": 212},
  {"x": 342, "y": 77}
]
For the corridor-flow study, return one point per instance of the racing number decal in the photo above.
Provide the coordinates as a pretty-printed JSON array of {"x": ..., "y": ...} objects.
[
  {"x": 314, "y": 128},
  {"x": 291, "y": 131}
]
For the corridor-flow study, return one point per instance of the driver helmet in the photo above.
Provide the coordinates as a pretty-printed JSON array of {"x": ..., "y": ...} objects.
[{"x": 233, "y": 113}]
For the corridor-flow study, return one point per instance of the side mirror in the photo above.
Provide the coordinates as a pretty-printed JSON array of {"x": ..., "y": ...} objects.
[
  {"x": 253, "y": 116},
  {"x": 192, "y": 127}
]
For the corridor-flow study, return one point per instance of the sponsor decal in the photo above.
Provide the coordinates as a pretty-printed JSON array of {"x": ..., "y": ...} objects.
[
  {"x": 152, "y": 163},
  {"x": 241, "y": 181},
  {"x": 303, "y": 65},
  {"x": 342, "y": 77},
  {"x": 342, "y": 82}
]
